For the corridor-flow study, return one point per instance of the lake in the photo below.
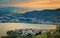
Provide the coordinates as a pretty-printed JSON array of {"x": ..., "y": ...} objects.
[{"x": 4, "y": 27}]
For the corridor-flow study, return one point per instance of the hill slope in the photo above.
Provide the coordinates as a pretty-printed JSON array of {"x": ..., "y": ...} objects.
[{"x": 45, "y": 16}]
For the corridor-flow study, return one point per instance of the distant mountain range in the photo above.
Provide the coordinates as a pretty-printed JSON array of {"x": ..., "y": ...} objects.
[
  {"x": 45, "y": 16},
  {"x": 13, "y": 9},
  {"x": 9, "y": 8}
]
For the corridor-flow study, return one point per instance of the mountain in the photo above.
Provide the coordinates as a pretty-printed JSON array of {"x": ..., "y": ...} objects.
[
  {"x": 45, "y": 16},
  {"x": 9, "y": 8},
  {"x": 13, "y": 9}
]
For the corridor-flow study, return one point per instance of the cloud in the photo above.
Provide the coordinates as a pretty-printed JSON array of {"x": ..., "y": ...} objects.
[
  {"x": 37, "y": 4},
  {"x": 41, "y": 4},
  {"x": 11, "y": 1}
]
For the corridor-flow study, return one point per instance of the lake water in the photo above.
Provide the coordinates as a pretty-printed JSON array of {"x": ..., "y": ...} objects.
[{"x": 4, "y": 27}]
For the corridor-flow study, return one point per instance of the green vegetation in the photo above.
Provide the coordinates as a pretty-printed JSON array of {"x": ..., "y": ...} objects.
[{"x": 50, "y": 34}]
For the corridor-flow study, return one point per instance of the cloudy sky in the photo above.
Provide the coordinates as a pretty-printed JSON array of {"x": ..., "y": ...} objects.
[
  {"x": 11, "y": 1},
  {"x": 32, "y": 4}
]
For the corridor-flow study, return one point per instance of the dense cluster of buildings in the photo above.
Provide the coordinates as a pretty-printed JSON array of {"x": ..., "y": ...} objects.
[{"x": 26, "y": 31}]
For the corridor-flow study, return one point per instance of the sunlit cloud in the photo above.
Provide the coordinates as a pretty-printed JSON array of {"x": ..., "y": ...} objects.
[
  {"x": 41, "y": 4},
  {"x": 37, "y": 4}
]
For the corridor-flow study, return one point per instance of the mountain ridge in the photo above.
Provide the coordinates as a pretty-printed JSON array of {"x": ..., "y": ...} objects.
[{"x": 45, "y": 16}]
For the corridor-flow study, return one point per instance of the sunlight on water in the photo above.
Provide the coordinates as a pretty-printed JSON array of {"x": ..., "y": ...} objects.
[{"x": 4, "y": 27}]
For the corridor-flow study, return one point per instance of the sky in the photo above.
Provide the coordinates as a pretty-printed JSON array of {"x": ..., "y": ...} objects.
[
  {"x": 31, "y": 4},
  {"x": 11, "y": 1}
]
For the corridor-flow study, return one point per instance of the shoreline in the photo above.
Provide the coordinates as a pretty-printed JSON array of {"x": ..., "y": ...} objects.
[{"x": 4, "y": 27}]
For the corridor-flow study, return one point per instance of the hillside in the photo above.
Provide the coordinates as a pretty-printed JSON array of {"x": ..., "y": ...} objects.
[{"x": 45, "y": 16}]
